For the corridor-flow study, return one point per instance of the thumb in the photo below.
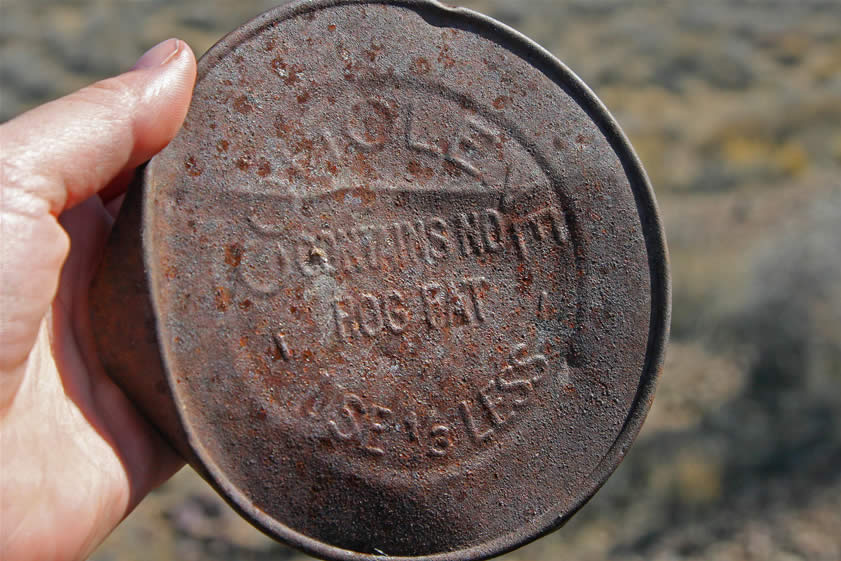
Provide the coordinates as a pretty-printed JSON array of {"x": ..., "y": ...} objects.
[
  {"x": 77, "y": 144},
  {"x": 61, "y": 153}
]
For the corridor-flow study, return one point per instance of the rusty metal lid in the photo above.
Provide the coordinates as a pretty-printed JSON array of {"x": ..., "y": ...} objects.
[{"x": 406, "y": 277}]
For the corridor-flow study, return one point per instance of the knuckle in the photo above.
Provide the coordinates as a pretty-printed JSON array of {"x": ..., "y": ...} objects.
[{"x": 114, "y": 95}]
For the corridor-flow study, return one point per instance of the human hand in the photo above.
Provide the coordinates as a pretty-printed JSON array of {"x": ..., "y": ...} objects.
[{"x": 75, "y": 455}]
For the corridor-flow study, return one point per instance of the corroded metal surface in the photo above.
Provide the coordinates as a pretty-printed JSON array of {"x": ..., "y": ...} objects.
[{"x": 407, "y": 279}]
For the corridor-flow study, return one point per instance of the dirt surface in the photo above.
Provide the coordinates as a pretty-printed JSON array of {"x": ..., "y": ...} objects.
[{"x": 734, "y": 108}]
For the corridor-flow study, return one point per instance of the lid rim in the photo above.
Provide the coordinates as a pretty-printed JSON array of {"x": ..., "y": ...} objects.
[{"x": 653, "y": 232}]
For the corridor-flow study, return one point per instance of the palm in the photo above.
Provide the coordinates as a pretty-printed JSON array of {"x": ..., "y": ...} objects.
[{"x": 93, "y": 454}]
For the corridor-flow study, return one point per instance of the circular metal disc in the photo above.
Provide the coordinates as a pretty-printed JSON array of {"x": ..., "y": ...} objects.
[{"x": 410, "y": 284}]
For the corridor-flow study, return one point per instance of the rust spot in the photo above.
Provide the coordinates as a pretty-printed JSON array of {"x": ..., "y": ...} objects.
[
  {"x": 304, "y": 97},
  {"x": 223, "y": 298},
  {"x": 420, "y": 66},
  {"x": 292, "y": 173},
  {"x": 368, "y": 196},
  {"x": 373, "y": 52},
  {"x": 362, "y": 166},
  {"x": 501, "y": 102},
  {"x": 419, "y": 171},
  {"x": 192, "y": 167},
  {"x": 288, "y": 72},
  {"x": 452, "y": 169},
  {"x": 445, "y": 58},
  {"x": 242, "y": 105},
  {"x": 246, "y": 305},
  {"x": 526, "y": 277},
  {"x": 222, "y": 146},
  {"x": 264, "y": 168},
  {"x": 244, "y": 162},
  {"x": 282, "y": 126},
  {"x": 375, "y": 120},
  {"x": 274, "y": 353},
  {"x": 233, "y": 255},
  {"x": 331, "y": 27}
]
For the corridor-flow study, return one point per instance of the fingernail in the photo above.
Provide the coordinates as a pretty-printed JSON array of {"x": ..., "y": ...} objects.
[{"x": 158, "y": 55}]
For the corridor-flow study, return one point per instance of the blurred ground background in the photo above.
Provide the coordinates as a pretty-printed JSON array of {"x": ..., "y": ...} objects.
[{"x": 735, "y": 109}]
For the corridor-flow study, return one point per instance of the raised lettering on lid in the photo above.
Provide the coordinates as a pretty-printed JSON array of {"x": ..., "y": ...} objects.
[{"x": 399, "y": 286}]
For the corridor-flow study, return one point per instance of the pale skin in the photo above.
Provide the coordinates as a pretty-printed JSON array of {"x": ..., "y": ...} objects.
[{"x": 75, "y": 455}]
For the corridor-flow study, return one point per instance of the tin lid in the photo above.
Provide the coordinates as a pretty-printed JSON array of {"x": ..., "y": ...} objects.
[{"x": 408, "y": 279}]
